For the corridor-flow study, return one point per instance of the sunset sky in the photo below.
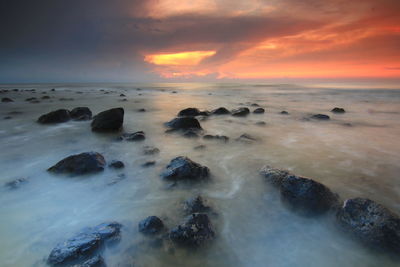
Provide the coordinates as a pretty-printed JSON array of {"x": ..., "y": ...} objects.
[{"x": 204, "y": 40}]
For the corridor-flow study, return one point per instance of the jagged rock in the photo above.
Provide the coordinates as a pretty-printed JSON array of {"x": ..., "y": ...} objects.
[
  {"x": 338, "y": 110},
  {"x": 136, "y": 136},
  {"x": 184, "y": 123},
  {"x": 320, "y": 117},
  {"x": 109, "y": 120},
  {"x": 81, "y": 114},
  {"x": 182, "y": 168},
  {"x": 96, "y": 261},
  {"x": 195, "y": 205},
  {"x": 189, "y": 112},
  {"x": 222, "y": 138},
  {"x": 273, "y": 175},
  {"x": 83, "y": 163},
  {"x": 84, "y": 245},
  {"x": 116, "y": 164},
  {"x": 151, "y": 225},
  {"x": 193, "y": 232},
  {"x": 240, "y": 112},
  {"x": 58, "y": 116},
  {"x": 220, "y": 111},
  {"x": 371, "y": 223},
  {"x": 259, "y": 111}
]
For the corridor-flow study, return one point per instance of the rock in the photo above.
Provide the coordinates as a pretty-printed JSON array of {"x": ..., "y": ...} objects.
[
  {"x": 222, "y": 138},
  {"x": 7, "y": 118},
  {"x": 84, "y": 245},
  {"x": 189, "y": 112},
  {"x": 45, "y": 97},
  {"x": 307, "y": 196},
  {"x": 240, "y": 112},
  {"x": 371, "y": 223},
  {"x": 31, "y": 99},
  {"x": 338, "y": 110},
  {"x": 174, "y": 92},
  {"x": 81, "y": 114},
  {"x": 53, "y": 90},
  {"x": 122, "y": 95},
  {"x": 83, "y": 163},
  {"x": 246, "y": 138},
  {"x": 141, "y": 110},
  {"x": 116, "y": 164},
  {"x": 150, "y": 150},
  {"x": 184, "y": 123},
  {"x": 284, "y": 112},
  {"x": 254, "y": 105},
  {"x": 149, "y": 164},
  {"x": 15, "y": 184},
  {"x": 273, "y": 175},
  {"x": 109, "y": 120},
  {"x": 65, "y": 99},
  {"x": 118, "y": 179},
  {"x": 220, "y": 111},
  {"x": 58, "y": 116},
  {"x": 259, "y": 111},
  {"x": 151, "y": 225},
  {"x": 190, "y": 133},
  {"x": 195, "y": 205},
  {"x": 182, "y": 168},
  {"x": 133, "y": 137},
  {"x": 6, "y": 99},
  {"x": 200, "y": 147},
  {"x": 320, "y": 117},
  {"x": 261, "y": 123},
  {"x": 205, "y": 113},
  {"x": 96, "y": 261},
  {"x": 193, "y": 232}
]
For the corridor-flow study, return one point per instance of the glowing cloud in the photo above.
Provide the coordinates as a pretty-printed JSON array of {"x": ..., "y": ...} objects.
[{"x": 179, "y": 59}]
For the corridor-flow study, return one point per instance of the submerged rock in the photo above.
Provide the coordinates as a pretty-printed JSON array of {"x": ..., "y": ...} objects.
[
  {"x": 109, "y": 120},
  {"x": 240, "y": 112},
  {"x": 15, "y": 184},
  {"x": 189, "y": 112},
  {"x": 82, "y": 247},
  {"x": 307, "y": 196},
  {"x": 6, "y": 99},
  {"x": 81, "y": 114},
  {"x": 184, "y": 123},
  {"x": 273, "y": 175},
  {"x": 190, "y": 133},
  {"x": 183, "y": 168},
  {"x": 338, "y": 110},
  {"x": 259, "y": 111},
  {"x": 96, "y": 261},
  {"x": 260, "y": 123},
  {"x": 116, "y": 164},
  {"x": 371, "y": 223},
  {"x": 83, "y": 163},
  {"x": 57, "y": 116},
  {"x": 151, "y": 225},
  {"x": 193, "y": 232},
  {"x": 320, "y": 117},
  {"x": 222, "y": 138},
  {"x": 150, "y": 150},
  {"x": 284, "y": 112},
  {"x": 246, "y": 138},
  {"x": 149, "y": 164},
  {"x": 220, "y": 111},
  {"x": 195, "y": 205},
  {"x": 136, "y": 136}
]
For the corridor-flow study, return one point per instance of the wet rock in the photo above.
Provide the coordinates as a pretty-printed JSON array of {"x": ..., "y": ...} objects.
[
  {"x": 183, "y": 168},
  {"x": 320, "y": 117},
  {"x": 338, "y": 110},
  {"x": 118, "y": 179},
  {"x": 307, "y": 196},
  {"x": 189, "y": 112},
  {"x": 184, "y": 123},
  {"x": 151, "y": 225},
  {"x": 174, "y": 92},
  {"x": 205, "y": 113},
  {"x": 149, "y": 164},
  {"x": 7, "y": 118},
  {"x": 96, "y": 261},
  {"x": 240, "y": 112},
  {"x": 57, "y": 116},
  {"x": 15, "y": 184},
  {"x": 190, "y": 133},
  {"x": 261, "y": 123},
  {"x": 45, "y": 97},
  {"x": 31, "y": 99},
  {"x": 109, "y": 120},
  {"x": 254, "y": 105},
  {"x": 6, "y": 99},
  {"x": 141, "y": 110},
  {"x": 66, "y": 99},
  {"x": 81, "y": 114},
  {"x": 150, "y": 150},
  {"x": 199, "y": 147},
  {"x": 83, "y": 163},
  {"x": 53, "y": 90},
  {"x": 84, "y": 245},
  {"x": 371, "y": 223},
  {"x": 122, "y": 95},
  {"x": 133, "y": 137},
  {"x": 246, "y": 138},
  {"x": 195, "y": 205},
  {"x": 273, "y": 175},
  {"x": 220, "y": 111},
  {"x": 284, "y": 112},
  {"x": 15, "y": 113},
  {"x": 116, "y": 164},
  {"x": 259, "y": 111},
  {"x": 222, "y": 138},
  {"x": 193, "y": 232}
]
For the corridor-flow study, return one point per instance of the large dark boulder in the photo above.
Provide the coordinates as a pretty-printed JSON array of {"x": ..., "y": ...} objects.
[
  {"x": 195, "y": 205},
  {"x": 151, "y": 225},
  {"x": 338, "y": 110},
  {"x": 306, "y": 196},
  {"x": 372, "y": 223},
  {"x": 83, "y": 163},
  {"x": 193, "y": 232},
  {"x": 189, "y": 112},
  {"x": 240, "y": 112},
  {"x": 320, "y": 117},
  {"x": 84, "y": 245},
  {"x": 183, "y": 168},
  {"x": 184, "y": 123},
  {"x": 273, "y": 175},
  {"x": 220, "y": 111},
  {"x": 109, "y": 120},
  {"x": 81, "y": 114},
  {"x": 57, "y": 116}
]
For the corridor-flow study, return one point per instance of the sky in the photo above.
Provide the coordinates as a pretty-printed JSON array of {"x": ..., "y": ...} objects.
[{"x": 204, "y": 40}]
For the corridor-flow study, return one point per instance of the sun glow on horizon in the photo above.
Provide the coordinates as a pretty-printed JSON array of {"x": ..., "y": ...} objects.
[{"x": 191, "y": 58}]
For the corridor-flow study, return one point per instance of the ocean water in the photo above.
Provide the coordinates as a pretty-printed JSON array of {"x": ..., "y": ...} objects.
[{"x": 356, "y": 154}]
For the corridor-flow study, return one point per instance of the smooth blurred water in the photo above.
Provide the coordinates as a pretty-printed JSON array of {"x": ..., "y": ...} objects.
[{"x": 356, "y": 154}]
